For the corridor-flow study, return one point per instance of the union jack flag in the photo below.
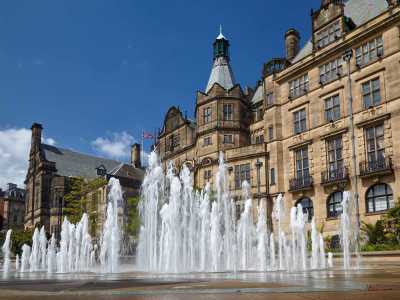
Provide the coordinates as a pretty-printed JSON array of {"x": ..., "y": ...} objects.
[{"x": 147, "y": 135}]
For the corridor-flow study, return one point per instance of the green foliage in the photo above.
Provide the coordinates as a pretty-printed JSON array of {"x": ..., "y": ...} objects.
[
  {"x": 18, "y": 238},
  {"x": 76, "y": 202},
  {"x": 132, "y": 225},
  {"x": 385, "y": 233}
]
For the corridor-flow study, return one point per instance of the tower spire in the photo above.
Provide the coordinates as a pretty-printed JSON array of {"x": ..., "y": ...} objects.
[{"x": 221, "y": 72}]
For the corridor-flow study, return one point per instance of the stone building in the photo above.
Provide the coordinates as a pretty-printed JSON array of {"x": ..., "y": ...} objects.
[
  {"x": 12, "y": 207},
  {"x": 49, "y": 176},
  {"x": 323, "y": 119}
]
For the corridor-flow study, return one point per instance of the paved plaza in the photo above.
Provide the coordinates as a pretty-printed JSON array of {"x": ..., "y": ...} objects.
[{"x": 376, "y": 280}]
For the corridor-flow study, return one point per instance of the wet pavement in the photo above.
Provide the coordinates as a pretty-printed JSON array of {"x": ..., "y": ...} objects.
[{"x": 378, "y": 280}]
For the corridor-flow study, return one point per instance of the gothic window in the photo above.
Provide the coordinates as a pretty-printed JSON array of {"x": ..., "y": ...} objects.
[
  {"x": 228, "y": 112},
  {"x": 242, "y": 173},
  {"x": 334, "y": 204},
  {"x": 302, "y": 165},
  {"x": 307, "y": 206},
  {"x": 300, "y": 121},
  {"x": 299, "y": 86},
  {"x": 207, "y": 115},
  {"x": 369, "y": 51},
  {"x": 371, "y": 91},
  {"x": 332, "y": 108},
  {"x": 330, "y": 71},
  {"x": 379, "y": 198},
  {"x": 375, "y": 144}
]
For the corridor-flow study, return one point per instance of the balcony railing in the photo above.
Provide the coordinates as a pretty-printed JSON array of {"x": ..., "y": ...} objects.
[
  {"x": 301, "y": 183},
  {"x": 334, "y": 176},
  {"x": 379, "y": 166}
]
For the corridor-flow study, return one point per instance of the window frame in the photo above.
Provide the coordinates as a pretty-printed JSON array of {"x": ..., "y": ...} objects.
[
  {"x": 388, "y": 197},
  {"x": 371, "y": 90},
  {"x": 299, "y": 86},
  {"x": 336, "y": 205},
  {"x": 207, "y": 115},
  {"x": 332, "y": 110},
  {"x": 242, "y": 173},
  {"x": 306, "y": 209},
  {"x": 369, "y": 51},
  {"x": 300, "y": 121},
  {"x": 207, "y": 141},
  {"x": 227, "y": 140},
  {"x": 330, "y": 71},
  {"x": 227, "y": 111},
  {"x": 302, "y": 163},
  {"x": 375, "y": 143},
  {"x": 334, "y": 146}
]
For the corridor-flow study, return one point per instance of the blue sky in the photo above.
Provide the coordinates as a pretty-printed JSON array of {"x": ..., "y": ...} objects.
[{"x": 102, "y": 68}]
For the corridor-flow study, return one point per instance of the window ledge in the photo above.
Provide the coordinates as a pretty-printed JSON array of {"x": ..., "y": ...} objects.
[
  {"x": 332, "y": 218},
  {"x": 376, "y": 213}
]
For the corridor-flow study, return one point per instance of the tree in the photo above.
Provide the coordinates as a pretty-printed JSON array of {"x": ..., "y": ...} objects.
[
  {"x": 76, "y": 202},
  {"x": 132, "y": 226}
]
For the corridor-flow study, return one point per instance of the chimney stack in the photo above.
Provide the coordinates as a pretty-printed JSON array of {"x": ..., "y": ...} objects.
[
  {"x": 36, "y": 136},
  {"x": 292, "y": 43},
  {"x": 135, "y": 156}
]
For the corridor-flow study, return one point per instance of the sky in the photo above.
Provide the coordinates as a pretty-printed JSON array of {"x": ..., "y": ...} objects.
[{"x": 95, "y": 73}]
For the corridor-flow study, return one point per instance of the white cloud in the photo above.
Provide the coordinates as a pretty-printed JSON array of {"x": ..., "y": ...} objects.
[
  {"x": 116, "y": 146},
  {"x": 14, "y": 151},
  {"x": 14, "y": 154},
  {"x": 49, "y": 141}
]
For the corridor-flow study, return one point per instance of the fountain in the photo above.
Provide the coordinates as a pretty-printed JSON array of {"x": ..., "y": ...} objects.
[
  {"x": 349, "y": 231},
  {"x": 6, "y": 250},
  {"x": 111, "y": 238},
  {"x": 186, "y": 231}
]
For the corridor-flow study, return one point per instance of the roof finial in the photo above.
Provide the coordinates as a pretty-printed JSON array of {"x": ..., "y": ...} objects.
[{"x": 221, "y": 36}]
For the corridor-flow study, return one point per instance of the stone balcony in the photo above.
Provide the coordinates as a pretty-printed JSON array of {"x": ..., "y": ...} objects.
[
  {"x": 382, "y": 166},
  {"x": 335, "y": 176},
  {"x": 301, "y": 184}
]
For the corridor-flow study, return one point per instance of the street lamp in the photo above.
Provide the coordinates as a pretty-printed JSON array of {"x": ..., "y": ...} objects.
[{"x": 347, "y": 56}]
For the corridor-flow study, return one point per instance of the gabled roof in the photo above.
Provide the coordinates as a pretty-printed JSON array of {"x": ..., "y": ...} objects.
[
  {"x": 222, "y": 74},
  {"x": 73, "y": 164},
  {"x": 360, "y": 11}
]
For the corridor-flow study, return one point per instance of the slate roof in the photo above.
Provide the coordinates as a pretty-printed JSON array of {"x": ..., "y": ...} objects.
[
  {"x": 360, "y": 11},
  {"x": 73, "y": 164},
  {"x": 258, "y": 95},
  {"x": 222, "y": 74}
]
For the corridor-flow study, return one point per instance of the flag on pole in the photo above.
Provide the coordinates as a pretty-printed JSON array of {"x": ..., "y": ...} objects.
[{"x": 147, "y": 135}]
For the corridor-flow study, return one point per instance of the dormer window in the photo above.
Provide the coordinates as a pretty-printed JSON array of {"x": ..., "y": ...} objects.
[
  {"x": 101, "y": 170},
  {"x": 328, "y": 35}
]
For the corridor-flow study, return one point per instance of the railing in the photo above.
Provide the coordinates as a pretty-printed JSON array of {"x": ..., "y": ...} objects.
[
  {"x": 383, "y": 165},
  {"x": 301, "y": 183},
  {"x": 341, "y": 174}
]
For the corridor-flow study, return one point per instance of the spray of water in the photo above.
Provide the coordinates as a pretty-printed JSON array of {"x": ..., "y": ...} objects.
[{"x": 6, "y": 250}]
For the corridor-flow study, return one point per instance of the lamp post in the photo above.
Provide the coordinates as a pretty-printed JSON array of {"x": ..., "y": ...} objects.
[
  {"x": 258, "y": 166},
  {"x": 347, "y": 56}
]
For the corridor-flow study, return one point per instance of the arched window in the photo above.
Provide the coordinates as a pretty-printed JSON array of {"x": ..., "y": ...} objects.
[
  {"x": 308, "y": 207},
  {"x": 334, "y": 204},
  {"x": 379, "y": 198}
]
